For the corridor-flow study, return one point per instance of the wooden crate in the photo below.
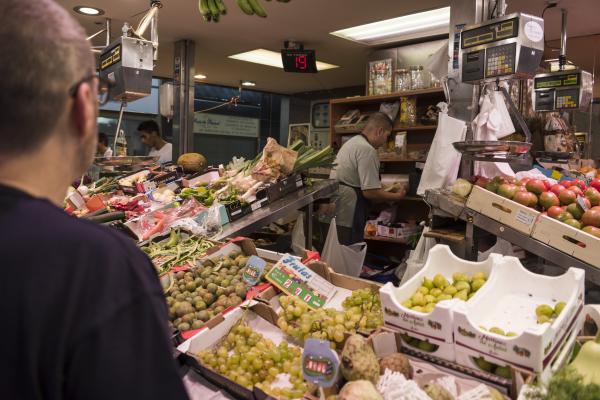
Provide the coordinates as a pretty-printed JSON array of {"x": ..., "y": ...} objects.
[
  {"x": 572, "y": 241},
  {"x": 503, "y": 210}
]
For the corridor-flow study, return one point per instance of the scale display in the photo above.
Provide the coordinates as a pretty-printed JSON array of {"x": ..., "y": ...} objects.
[
  {"x": 554, "y": 81},
  {"x": 490, "y": 33},
  {"x": 563, "y": 90}
]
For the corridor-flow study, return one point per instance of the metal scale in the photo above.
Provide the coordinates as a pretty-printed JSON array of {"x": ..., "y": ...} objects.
[
  {"x": 128, "y": 63},
  {"x": 505, "y": 48}
]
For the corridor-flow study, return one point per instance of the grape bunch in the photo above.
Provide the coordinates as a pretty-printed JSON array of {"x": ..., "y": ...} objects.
[
  {"x": 362, "y": 311},
  {"x": 247, "y": 358}
]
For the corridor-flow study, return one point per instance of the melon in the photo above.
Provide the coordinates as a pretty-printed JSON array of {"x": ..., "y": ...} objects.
[{"x": 192, "y": 162}]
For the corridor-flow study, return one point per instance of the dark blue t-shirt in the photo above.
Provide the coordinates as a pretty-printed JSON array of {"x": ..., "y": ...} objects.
[{"x": 83, "y": 313}]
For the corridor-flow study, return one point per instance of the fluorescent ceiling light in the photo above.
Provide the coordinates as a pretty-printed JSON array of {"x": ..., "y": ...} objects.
[
  {"x": 407, "y": 27},
  {"x": 248, "y": 83},
  {"x": 199, "y": 76},
  {"x": 86, "y": 10},
  {"x": 272, "y": 59}
]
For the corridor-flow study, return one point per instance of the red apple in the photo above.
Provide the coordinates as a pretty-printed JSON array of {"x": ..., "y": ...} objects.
[
  {"x": 577, "y": 190},
  {"x": 580, "y": 183},
  {"x": 595, "y": 183},
  {"x": 548, "y": 185},
  {"x": 524, "y": 198},
  {"x": 536, "y": 186},
  {"x": 567, "y": 197},
  {"x": 482, "y": 181},
  {"x": 565, "y": 215},
  {"x": 592, "y": 230},
  {"x": 556, "y": 189},
  {"x": 523, "y": 181},
  {"x": 591, "y": 218},
  {"x": 549, "y": 199},
  {"x": 593, "y": 195},
  {"x": 555, "y": 211},
  {"x": 574, "y": 223},
  {"x": 566, "y": 183},
  {"x": 507, "y": 190}
]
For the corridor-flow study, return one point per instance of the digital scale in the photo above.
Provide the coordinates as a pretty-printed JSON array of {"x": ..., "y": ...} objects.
[
  {"x": 562, "y": 90},
  {"x": 504, "y": 48}
]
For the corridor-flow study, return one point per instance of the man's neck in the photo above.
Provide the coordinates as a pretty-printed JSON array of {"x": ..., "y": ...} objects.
[
  {"x": 33, "y": 175},
  {"x": 160, "y": 144}
]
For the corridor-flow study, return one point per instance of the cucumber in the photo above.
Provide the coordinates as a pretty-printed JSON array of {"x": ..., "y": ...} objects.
[
  {"x": 112, "y": 216},
  {"x": 101, "y": 211}
]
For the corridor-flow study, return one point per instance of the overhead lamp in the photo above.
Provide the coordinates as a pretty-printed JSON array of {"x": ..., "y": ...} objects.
[
  {"x": 87, "y": 10},
  {"x": 248, "y": 83},
  {"x": 199, "y": 76},
  {"x": 272, "y": 59},
  {"x": 406, "y": 27}
]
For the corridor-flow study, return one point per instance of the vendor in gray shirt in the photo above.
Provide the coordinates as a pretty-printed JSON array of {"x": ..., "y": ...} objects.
[{"x": 357, "y": 171}]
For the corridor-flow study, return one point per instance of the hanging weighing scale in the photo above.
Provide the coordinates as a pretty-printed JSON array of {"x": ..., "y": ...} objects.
[{"x": 509, "y": 47}]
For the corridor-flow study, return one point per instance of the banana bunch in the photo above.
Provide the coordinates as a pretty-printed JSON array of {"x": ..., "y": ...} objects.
[{"x": 211, "y": 10}]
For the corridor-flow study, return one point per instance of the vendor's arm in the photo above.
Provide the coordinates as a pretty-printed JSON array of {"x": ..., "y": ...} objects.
[
  {"x": 381, "y": 195},
  {"x": 370, "y": 184}
]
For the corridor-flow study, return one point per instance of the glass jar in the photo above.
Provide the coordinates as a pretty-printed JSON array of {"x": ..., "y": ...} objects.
[
  {"x": 416, "y": 77},
  {"x": 403, "y": 80}
]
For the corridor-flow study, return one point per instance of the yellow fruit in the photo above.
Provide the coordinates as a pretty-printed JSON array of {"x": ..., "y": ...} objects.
[
  {"x": 444, "y": 296},
  {"x": 440, "y": 282},
  {"x": 477, "y": 284},
  {"x": 192, "y": 162},
  {"x": 470, "y": 295},
  {"x": 423, "y": 290},
  {"x": 435, "y": 292},
  {"x": 417, "y": 308},
  {"x": 451, "y": 290},
  {"x": 479, "y": 275},
  {"x": 511, "y": 334},
  {"x": 428, "y": 308},
  {"x": 407, "y": 303},
  {"x": 462, "y": 295},
  {"x": 559, "y": 307},
  {"x": 542, "y": 319},
  {"x": 462, "y": 285},
  {"x": 430, "y": 299},
  {"x": 544, "y": 309},
  {"x": 459, "y": 276},
  {"x": 497, "y": 331},
  {"x": 418, "y": 299},
  {"x": 428, "y": 283}
]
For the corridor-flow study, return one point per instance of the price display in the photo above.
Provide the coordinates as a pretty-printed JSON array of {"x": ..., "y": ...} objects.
[{"x": 302, "y": 61}]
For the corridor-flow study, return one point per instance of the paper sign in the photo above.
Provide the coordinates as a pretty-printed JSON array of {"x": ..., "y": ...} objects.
[
  {"x": 581, "y": 202},
  {"x": 77, "y": 200},
  {"x": 525, "y": 217},
  {"x": 253, "y": 270},
  {"x": 296, "y": 279},
  {"x": 320, "y": 363}
]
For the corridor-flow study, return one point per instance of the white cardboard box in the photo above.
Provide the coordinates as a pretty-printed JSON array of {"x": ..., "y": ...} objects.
[
  {"x": 503, "y": 210},
  {"x": 510, "y": 300},
  {"x": 437, "y": 326},
  {"x": 572, "y": 241}
]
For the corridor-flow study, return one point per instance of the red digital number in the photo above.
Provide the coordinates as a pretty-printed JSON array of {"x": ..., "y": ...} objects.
[{"x": 301, "y": 62}]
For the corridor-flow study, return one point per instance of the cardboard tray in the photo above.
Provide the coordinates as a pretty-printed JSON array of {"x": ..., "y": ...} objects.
[
  {"x": 572, "y": 241},
  {"x": 436, "y": 327},
  {"x": 503, "y": 210},
  {"x": 283, "y": 187},
  {"x": 260, "y": 317},
  {"x": 509, "y": 303}
]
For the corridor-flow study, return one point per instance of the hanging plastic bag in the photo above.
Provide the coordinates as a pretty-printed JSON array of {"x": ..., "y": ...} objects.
[
  {"x": 418, "y": 257},
  {"x": 443, "y": 161},
  {"x": 298, "y": 237},
  {"x": 501, "y": 247},
  {"x": 347, "y": 260}
]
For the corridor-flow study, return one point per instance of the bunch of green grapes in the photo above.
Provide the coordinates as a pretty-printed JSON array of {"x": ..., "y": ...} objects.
[
  {"x": 362, "y": 310},
  {"x": 247, "y": 358}
]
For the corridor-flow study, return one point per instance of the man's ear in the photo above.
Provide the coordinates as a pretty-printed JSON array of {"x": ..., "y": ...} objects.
[{"x": 84, "y": 111}]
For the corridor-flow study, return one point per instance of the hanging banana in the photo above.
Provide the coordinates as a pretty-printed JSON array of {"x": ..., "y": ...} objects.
[{"x": 211, "y": 10}]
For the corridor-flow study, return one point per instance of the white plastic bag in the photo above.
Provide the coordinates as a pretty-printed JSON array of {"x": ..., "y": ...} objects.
[
  {"x": 418, "y": 257},
  {"x": 298, "y": 237},
  {"x": 443, "y": 161},
  {"x": 501, "y": 247},
  {"x": 347, "y": 260}
]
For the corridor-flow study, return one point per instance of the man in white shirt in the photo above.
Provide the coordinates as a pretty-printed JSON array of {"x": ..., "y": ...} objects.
[
  {"x": 103, "y": 150},
  {"x": 150, "y": 135}
]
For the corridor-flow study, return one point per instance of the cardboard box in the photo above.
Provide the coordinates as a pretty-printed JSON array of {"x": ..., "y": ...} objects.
[
  {"x": 437, "y": 326},
  {"x": 259, "y": 316},
  {"x": 572, "y": 241},
  {"x": 503, "y": 210},
  {"x": 509, "y": 303}
]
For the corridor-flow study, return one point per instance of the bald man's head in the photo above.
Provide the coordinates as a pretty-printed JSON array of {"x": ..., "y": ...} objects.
[{"x": 44, "y": 52}]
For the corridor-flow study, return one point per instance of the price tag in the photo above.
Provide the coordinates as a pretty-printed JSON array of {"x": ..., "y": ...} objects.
[
  {"x": 77, "y": 200},
  {"x": 320, "y": 363},
  {"x": 581, "y": 202},
  {"x": 525, "y": 217},
  {"x": 253, "y": 270}
]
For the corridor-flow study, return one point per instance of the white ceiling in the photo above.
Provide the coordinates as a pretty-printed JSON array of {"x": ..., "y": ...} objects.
[{"x": 308, "y": 21}]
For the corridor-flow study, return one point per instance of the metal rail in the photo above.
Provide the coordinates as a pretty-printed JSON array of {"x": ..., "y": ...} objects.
[
  {"x": 447, "y": 205},
  {"x": 300, "y": 200}
]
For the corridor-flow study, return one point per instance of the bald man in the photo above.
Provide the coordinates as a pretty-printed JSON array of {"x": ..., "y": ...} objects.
[
  {"x": 83, "y": 312},
  {"x": 357, "y": 171}
]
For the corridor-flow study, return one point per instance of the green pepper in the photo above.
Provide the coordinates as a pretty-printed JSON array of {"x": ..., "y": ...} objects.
[{"x": 173, "y": 239}]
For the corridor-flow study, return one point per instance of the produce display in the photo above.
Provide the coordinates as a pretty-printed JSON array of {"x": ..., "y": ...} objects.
[
  {"x": 546, "y": 313},
  {"x": 362, "y": 311},
  {"x": 201, "y": 293},
  {"x": 571, "y": 202},
  {"x": 192, "y": 162},
  {"x": 249, "y": 359},
  {"x": 179, "y": 250},
  {"x": 439, "y": 288},
  {"x": 202, "y": 194}
]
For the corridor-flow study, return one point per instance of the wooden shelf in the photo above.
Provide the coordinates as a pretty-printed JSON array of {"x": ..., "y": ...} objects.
[
  {"x": 395, "y": 129},
  {"x": 393, "y": 158},
  {"x": 411, "y": 198},
  {"x": 384, "y": 97},
  {"x": 385, "y": 239}
]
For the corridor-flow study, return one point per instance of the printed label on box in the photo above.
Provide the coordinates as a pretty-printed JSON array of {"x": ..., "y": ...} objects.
[
  {"x": 320, "y": 363},
  {"x": 525, "y": 217},
  {"x": 296, "y": 279}
]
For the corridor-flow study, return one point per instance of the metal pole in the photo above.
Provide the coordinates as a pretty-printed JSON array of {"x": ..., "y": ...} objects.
[
  {"x": 562, "y": 59},
  {"x": 123, "y": 105},
  {"x": 108, "y": 24},
  {"x": 183, "y": 83}
]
